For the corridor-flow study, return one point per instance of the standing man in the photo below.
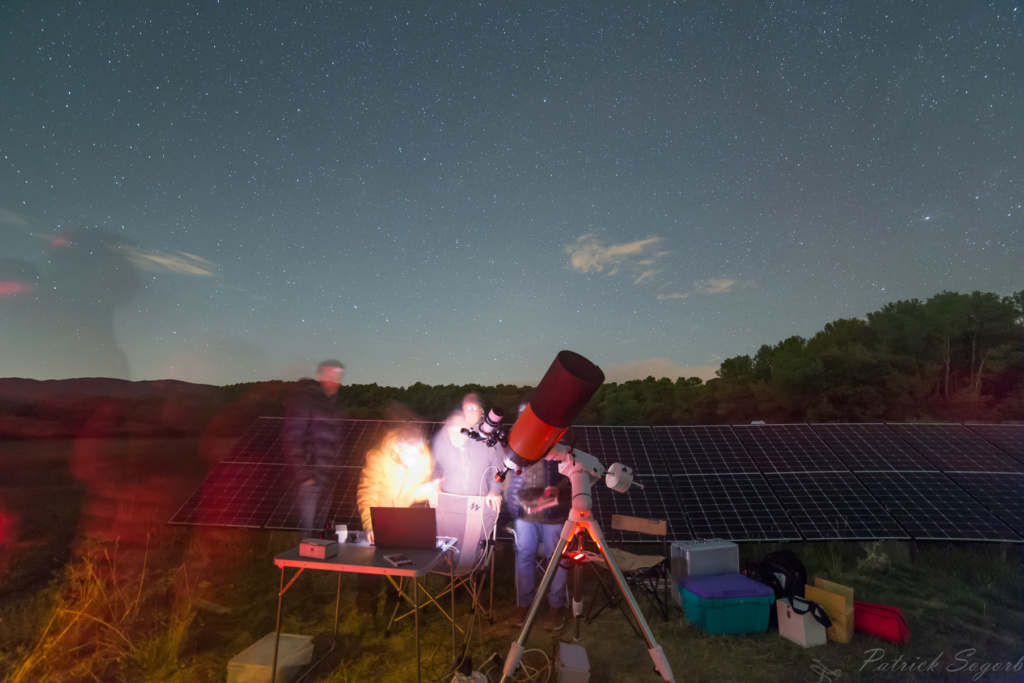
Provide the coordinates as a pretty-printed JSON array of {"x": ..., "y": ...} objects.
[
  {"x": 539, "y": 499},
  {"x": 466, "y": 466},
  {"x": 470, "y": 497},
  {"x": 311, "y": 439}
]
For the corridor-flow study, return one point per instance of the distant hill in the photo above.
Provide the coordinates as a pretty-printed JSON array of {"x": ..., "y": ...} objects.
[{"x": 19, "y": 389}]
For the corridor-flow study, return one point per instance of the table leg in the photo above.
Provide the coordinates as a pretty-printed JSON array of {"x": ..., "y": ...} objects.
[
  {"x": 451, "y": 567},
  {"x": 277, "y": 628},
  {"x": 337, "y": 608},
  {"x": 416, "y": 611}
]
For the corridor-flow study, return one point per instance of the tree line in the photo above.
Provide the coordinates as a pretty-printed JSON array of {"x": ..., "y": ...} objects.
[{"x": 954, "y": 357}]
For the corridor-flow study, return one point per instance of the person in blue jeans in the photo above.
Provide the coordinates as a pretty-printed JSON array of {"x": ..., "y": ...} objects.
[{"x": 539, "y": 499}]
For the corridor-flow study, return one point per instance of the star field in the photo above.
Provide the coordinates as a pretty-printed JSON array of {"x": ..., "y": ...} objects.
[{"x": 454, "y": 192}]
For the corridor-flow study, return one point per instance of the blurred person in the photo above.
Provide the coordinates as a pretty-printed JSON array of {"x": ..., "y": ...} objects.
[
  {"x": 58, "y": 320},
  {"x": 311, "y": 439},
  {"x": 470, "y": 497},
  {"x": 8, "y": 537},
  {"x": 396, "y": 474},
  {"x": 539, "y": 500},
  {"x": 102, "y": 465},
  {"x": 466, "y": 466}
]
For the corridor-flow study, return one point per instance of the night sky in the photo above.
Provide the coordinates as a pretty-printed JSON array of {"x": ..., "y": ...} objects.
[{"x": 453, "y": 192}]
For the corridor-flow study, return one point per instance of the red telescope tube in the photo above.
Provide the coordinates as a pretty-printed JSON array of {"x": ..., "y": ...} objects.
[{"x": 569, "y": 383}]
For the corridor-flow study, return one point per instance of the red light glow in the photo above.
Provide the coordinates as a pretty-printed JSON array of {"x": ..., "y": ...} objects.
[{"x": 13, "y": 287}]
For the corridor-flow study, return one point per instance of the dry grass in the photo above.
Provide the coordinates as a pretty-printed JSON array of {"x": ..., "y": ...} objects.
[
  {"x": 176, "y": 604},
  {"x": 102, "y": 621}
]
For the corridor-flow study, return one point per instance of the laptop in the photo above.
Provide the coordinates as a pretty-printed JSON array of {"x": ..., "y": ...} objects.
[{"x": 404, "y": 528}]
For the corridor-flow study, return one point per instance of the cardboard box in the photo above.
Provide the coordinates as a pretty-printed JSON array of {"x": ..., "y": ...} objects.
[
  {"x": 572, "y": 664},
  {"x": 837, "y": 601},
  {"x": 802, "y": 629},
  {"x": 252, "y": 665},
  {"x": 726, "y": 603},
  {"x": 318, "y": 548},
  {"x": 702, "y": 558}
]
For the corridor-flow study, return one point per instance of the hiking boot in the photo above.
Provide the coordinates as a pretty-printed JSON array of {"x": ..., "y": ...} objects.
[{"x": 556, "y": 619}]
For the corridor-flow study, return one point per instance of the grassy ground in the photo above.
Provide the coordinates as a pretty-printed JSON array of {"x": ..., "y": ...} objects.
[{"x": 96, "y": 587}]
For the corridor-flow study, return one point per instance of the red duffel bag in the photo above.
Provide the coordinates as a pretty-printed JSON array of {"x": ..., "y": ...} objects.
[{"x": 880, "y": 620}]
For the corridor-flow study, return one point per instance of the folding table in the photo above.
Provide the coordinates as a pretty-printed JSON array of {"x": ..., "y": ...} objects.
[{"x": 356, "y": 558}]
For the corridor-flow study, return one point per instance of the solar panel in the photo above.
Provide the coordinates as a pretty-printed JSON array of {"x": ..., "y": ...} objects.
[
  {"x": 1001, "y": 494},
  {"x": 255, "y": 488},
  {"x": 705, "y": 480},
  {"x": 657, "y": 500},
  {"x": 930, "y": 506},
  {"x": 1007, "y": 438},
  {"x": 360, "y": 436},
  {"x": 870, "y": 447},
  {"x": 336, "y": 506},
  {"x": 953, "y": 447},
  {"x": 733, "y": 506},
  {"x": 235, "y": 494},
  {"x": 832, "y": 506},
  {"x": 633, "y": 446},
  {"x": 261, "y": 442},
  {"x": 704, "y": 449},
  {"x": 787, "y": 448}
]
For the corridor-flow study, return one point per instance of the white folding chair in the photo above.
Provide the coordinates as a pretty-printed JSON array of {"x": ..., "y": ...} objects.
[{"x": 473, "y": 524}]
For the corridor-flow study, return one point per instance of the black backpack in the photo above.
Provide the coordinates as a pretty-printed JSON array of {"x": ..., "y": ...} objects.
[
  {"x": 781, "y": 570},
  {"x": 789, "y": 570},
  {"x": 762, "y": 573}
]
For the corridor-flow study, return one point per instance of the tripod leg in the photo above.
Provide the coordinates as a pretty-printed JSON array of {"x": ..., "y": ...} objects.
[
  {"x": 577, "y": 591},
  {"x": 657, "y": 655},
  {"x": 515, "y": 653}
]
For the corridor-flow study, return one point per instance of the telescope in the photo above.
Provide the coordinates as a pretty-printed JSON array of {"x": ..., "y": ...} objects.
[
  {"x": 491, "y": 430},
  {"x": 567, "y": 386}
]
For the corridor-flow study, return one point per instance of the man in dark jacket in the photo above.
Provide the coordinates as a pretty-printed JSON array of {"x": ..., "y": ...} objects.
[
  {"x": 311, "y": 439},
  {"x": 539, "y": 499}
]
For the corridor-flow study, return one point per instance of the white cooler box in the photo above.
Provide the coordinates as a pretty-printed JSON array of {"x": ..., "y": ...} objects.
[
  {"x": 702, "y": 558},
  {"x": 802, "y": 629},
  {"x": 571, "y": 664},
  {"x": 254, "y": 663}
]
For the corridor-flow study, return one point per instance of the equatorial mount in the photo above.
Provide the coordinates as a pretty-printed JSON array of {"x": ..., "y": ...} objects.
[{"x": 583, "y": 469}]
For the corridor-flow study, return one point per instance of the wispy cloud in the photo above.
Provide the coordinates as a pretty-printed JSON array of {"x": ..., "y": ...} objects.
[
  {"x": 716, "y": 285},
  {"x": 588, "y": 254},
  {"x": 713, "y": 285},
  {"x": 644, "y": 276},
  {"x": 12, "y": 219},
  {"x": 181, "y": 263}
]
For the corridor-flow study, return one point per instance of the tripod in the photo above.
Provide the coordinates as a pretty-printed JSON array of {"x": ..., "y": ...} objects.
[{"x": 581, "y": 469}]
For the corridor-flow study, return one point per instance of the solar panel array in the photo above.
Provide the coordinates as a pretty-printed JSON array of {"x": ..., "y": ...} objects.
[
  {"x": 254, "y": 487},
  {"x": 742, "y": 483}
]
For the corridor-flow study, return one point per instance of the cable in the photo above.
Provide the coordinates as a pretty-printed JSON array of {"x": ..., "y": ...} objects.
[{"x": 533, "y": 674}]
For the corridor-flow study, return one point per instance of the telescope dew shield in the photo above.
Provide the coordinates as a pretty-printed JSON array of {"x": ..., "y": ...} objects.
[{"x": 567, "y": 386}]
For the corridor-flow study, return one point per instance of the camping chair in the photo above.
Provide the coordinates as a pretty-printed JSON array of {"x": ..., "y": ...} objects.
[
  {"x": 646, "y": 575},
  {"x": 474, "y": 525}
]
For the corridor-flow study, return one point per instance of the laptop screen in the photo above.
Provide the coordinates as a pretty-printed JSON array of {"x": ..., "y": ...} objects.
[{"x": 404, "y": 528}]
